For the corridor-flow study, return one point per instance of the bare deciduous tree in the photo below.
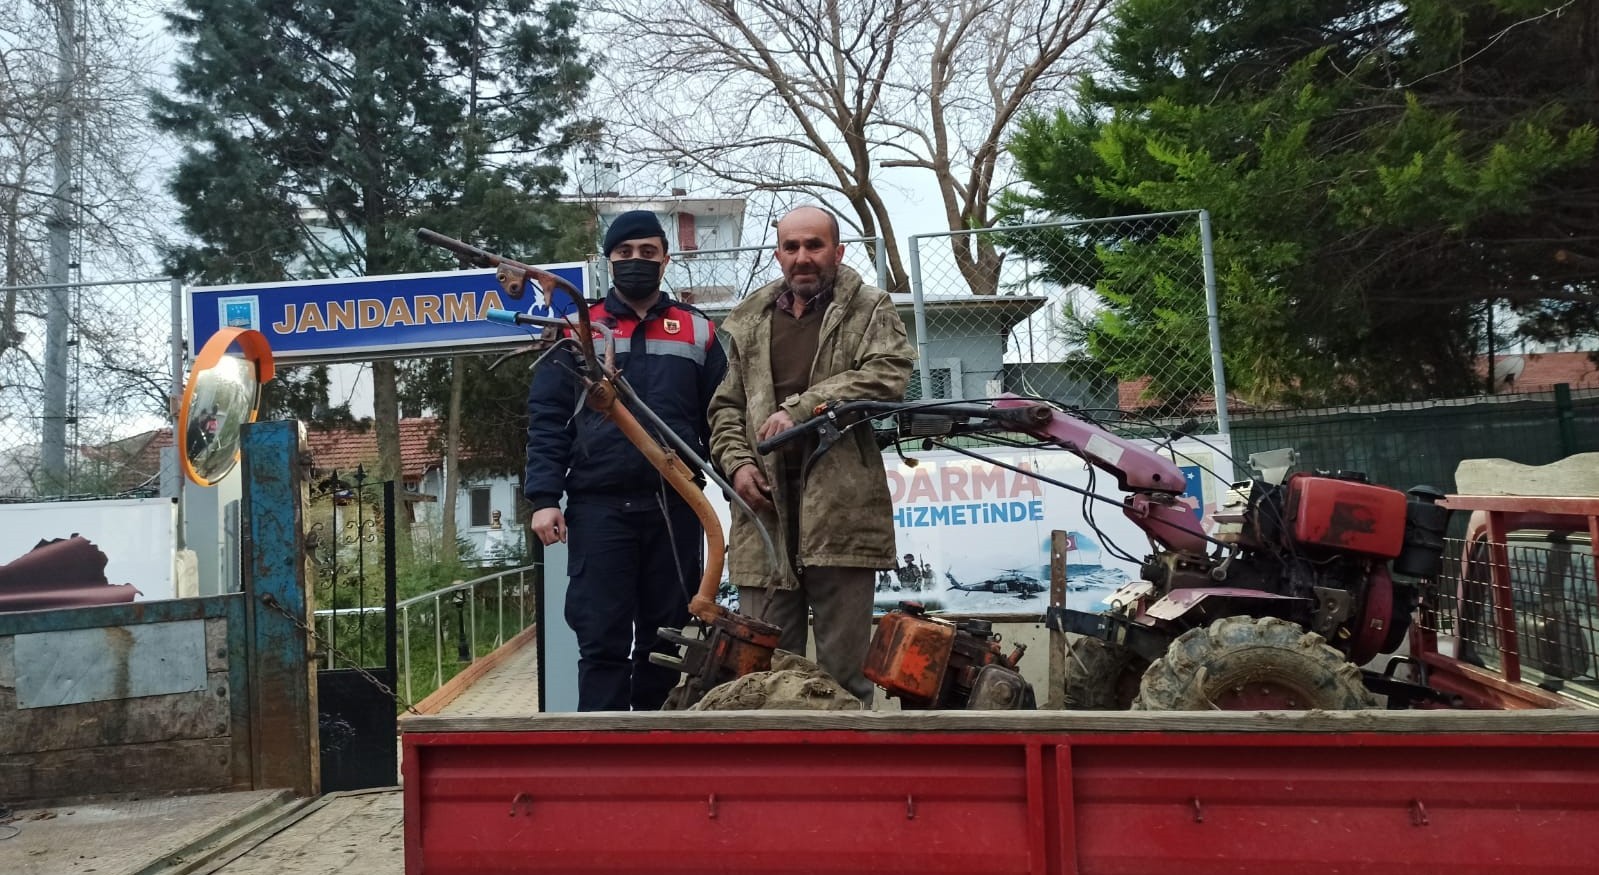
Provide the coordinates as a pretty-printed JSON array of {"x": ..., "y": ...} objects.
[
  {"x": 114, "y": 210},
  {"x": 769, "y": 96}
]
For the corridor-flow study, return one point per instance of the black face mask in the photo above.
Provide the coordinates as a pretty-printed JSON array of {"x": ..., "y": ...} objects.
[{"x": 636, "y": 278}]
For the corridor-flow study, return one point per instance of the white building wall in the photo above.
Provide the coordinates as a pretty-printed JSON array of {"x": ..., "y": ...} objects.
[{"x": 490, "y": 544}]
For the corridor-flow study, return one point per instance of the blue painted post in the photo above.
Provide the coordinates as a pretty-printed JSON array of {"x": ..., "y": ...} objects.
[{"x": 283, "y": 727}]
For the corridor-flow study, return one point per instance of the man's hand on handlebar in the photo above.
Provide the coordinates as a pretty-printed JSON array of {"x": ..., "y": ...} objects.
[
  {"x": 777, "y": 423},
  {"x": 751, "y": 485}
]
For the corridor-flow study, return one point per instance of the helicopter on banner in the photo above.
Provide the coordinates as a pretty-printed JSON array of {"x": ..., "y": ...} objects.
[{"x": 1009, "y": 581}]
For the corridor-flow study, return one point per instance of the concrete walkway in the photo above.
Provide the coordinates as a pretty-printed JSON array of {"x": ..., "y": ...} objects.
[
  {"x": 124, "y": 838},
  {"x": 509, "y": 690},
  {"x": 357, "y": 833},
  {"x": 260, "y": 832}
]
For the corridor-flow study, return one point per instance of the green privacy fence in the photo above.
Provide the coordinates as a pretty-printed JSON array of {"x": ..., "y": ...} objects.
[{"x": 1404, "y": 445}]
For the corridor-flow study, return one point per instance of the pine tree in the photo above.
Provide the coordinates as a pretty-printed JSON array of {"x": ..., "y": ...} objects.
[
  {"x": 1377, "y": 174},
  {"x": 322, "y": 133}
]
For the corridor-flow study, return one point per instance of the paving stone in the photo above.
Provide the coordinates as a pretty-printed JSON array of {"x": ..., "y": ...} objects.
[{"x": 113, "y": 838}]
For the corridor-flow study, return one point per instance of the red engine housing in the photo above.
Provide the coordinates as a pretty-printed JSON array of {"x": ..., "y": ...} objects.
[
  {"x": 1348, "y": 516},
  {"x": 929, "y": 662}
]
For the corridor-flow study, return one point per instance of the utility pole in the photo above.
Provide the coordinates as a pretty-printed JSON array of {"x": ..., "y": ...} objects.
[{"x": 53, "y": 437}]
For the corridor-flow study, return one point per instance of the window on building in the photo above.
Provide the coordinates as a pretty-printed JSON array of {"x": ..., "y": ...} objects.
[
  {"x": 687, "y": 240},
  {"x": 481, "y": 505}
]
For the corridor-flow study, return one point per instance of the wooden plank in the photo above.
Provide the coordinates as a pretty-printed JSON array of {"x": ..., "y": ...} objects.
[
  {"x": 200, "y": 714},
  {"x": 238, "y": 642},
  {"x": 282, "y": 679},
  {"x": 356, "y": 833},
  {"x": 1575, "y": 507},
  {"x": 195, "y": 765},
  {"x": 1576, "y": 475},
  {"x": 8, "y": 669},
  {"x": 454, "y": 687},
  {"x": 133, "y": 614},
  {"x": 1565, "y": 721},
  {"x": 1059, "y": 544},
  {"x": 216, "y": 644}
]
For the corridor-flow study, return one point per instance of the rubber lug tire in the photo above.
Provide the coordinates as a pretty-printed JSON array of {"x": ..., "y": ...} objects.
[
  {"x": 1101, "y": 676},
  {"x": 1204, "y": 664}
]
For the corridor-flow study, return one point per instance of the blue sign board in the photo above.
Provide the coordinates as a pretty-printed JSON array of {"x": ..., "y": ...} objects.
[{"x": 378, "y": 316}]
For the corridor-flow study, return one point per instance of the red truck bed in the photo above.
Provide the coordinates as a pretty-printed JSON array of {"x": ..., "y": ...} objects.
[{"x": 1004, "y": 792}]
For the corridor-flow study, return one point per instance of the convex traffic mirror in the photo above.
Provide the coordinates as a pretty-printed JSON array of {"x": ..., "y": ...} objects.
[{"x": 223, "y": 393}]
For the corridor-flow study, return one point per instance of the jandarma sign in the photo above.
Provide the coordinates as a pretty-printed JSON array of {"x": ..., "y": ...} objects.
[{"x": 374, "y": 317}]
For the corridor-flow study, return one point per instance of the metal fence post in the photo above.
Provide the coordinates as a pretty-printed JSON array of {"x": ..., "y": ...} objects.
[
  {"x": 1565, "y": 419},
  {"x": 176, "y": 343},
  {"x": 177, "y": 337},
  {"x": 405, "y": 655},
  {"x": 882, "y": 263},
  {"x": 1213, "y": 316},
  {"x": 919, "y": 311},
  {"x": 438, "y": 643}
]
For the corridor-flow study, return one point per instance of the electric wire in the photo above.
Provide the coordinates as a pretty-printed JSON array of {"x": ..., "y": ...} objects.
[{"x": 1067, "y": 486}]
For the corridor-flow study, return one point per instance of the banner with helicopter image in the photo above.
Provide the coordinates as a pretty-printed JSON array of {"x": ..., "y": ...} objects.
[{"x": 973, "y": 537}]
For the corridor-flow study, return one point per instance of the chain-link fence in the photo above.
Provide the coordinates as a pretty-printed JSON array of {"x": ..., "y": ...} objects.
[
  {"x": 84, "y": 393},
  {"x": 725, "y": 276},
  {"x": 1116, "y": 314}
]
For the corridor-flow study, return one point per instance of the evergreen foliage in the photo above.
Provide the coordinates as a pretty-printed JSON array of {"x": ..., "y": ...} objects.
[
  {"x": 1378, "y": 175},
  {"x": 322, "y": 133}
]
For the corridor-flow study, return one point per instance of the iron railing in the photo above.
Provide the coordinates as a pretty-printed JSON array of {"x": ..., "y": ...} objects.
[{"x": 479, "y": 611}]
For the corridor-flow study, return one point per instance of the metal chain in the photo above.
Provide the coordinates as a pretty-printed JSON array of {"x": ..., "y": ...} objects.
[{"x": 277, "y": 607}]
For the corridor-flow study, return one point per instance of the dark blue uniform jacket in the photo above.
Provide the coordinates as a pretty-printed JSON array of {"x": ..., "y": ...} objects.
[{"x": 673, "y": 361}]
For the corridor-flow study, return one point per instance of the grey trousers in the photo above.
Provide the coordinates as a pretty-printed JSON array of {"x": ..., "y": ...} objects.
[{"x": 841, "y": 598}]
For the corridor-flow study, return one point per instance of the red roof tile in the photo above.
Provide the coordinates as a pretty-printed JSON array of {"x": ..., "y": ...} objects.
[
  {"x": 1540, "y": 372},
  {"x": 1133, "y": 395},
  {"x": 132, "y": 462},
  {"x": 136, "y": 461},
  {"x": 346, "y": 447}
]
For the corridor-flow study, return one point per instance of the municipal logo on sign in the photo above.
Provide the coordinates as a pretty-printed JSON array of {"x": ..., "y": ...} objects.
[{"x": 239, "y": 312}]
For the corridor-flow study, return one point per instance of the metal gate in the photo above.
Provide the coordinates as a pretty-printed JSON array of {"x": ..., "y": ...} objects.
[{"x": 351, "y": 547}]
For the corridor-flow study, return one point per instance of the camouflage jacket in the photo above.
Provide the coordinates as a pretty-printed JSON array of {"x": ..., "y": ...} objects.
[{"x": 846, "y": 518}]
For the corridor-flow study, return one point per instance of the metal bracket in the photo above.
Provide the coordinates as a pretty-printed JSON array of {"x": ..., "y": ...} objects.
[
  {"x": 522, "y": 803},
  {"x": 1142, "y": 640},
  {"x": 1418, "y": 813},
  {"x": 1402, "y": 695}
]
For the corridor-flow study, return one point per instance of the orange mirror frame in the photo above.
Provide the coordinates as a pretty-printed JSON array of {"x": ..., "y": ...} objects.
[{"x": 255, "y": 349}]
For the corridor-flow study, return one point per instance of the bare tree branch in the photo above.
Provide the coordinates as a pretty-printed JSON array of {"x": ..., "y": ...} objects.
[{"x": 767, "y": 100}]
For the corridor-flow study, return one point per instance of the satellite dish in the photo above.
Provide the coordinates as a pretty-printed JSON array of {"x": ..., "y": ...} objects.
[{"x": 1507, "y": 369}]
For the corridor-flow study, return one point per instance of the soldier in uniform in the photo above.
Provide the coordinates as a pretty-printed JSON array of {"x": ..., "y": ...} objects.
[{"x": 634, "y": 544}]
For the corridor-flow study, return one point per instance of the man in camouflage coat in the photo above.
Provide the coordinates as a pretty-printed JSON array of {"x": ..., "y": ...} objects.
[{"x": 817, "y": 335}]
